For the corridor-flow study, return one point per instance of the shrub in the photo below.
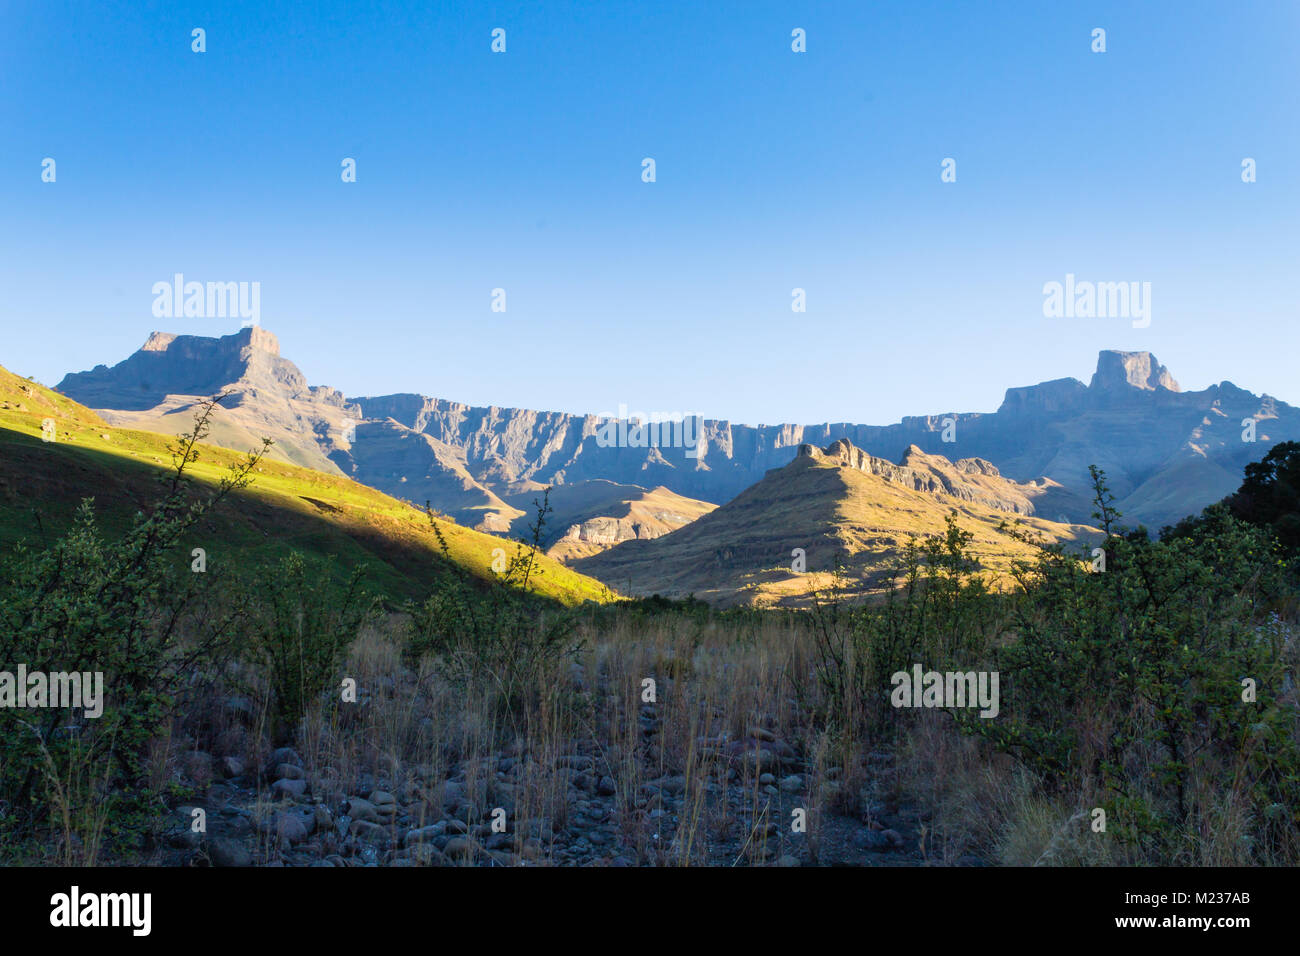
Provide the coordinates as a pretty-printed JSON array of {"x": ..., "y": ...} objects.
[
  {"x": 936, "y": 610},
  {"x": 300, "y": 630},
  {"x": 119, "y": 608},
  {"x": 498, "y": 633},
  {"x": 1132, "y": 678}
]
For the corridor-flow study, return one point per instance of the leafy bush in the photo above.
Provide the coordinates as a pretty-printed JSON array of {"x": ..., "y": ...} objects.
[
  {"x": 1128, "y": 687},
  {"x": 497, "y": 634},
  {"x": 936, "y": 610},
  {"x": 131, "y": 610},
  {"x": 1269, "y": 497},
  {"x": 1270, "y": 494},
  {"x": 1132, "y": 678},
  {"x": 300, "y": 630}
]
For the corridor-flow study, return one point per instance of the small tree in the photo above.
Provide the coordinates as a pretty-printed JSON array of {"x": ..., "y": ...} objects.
[{"x": 1270, "y": 494}]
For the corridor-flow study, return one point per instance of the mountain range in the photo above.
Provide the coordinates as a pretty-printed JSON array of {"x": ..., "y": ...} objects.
[{"x": 1167, "y": 453}]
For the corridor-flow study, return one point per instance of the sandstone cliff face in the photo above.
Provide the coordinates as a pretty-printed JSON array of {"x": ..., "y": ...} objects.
[
  {"x": 1117, "y": 370},
  {"x": 970, "y": 479},
  {"x": 1166, "y": 452}
]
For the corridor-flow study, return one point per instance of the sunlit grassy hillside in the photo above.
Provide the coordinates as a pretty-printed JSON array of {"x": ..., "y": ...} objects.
[{"x": 287, "y": 507}]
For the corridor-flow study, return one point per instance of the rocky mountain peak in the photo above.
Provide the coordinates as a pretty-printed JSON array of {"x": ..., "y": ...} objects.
[
  {"x": 158, "y": 342},
  {"x": 265, "y": 394},
  {"x": 1118, "y": 370},
  {"x": 911, "y": 452},
  {"x": 839, "y": 504},
  {"x": 250, "y": 337}
]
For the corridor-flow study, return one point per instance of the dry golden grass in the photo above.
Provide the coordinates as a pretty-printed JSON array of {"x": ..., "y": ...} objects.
[{"x": 718, "y": 682}]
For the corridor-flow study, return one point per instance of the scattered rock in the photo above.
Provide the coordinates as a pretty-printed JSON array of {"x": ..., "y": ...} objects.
[
  {"x": 359, "y": 809},
  {"x": 227, "y": 853},
  {"x": 425, "y": 834},
  {"x": 293, "y": 789},
  {"x": 291, "y": 828},
  {"x": 426, "y": 854},
  {"x": 284, "y": 755},
  {"x": 459, "y": 848},
  {"x": 371, "y": 833},
  {"x": 878, "y": 840}
]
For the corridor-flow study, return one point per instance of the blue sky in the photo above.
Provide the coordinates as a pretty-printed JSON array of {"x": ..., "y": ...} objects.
[{"x": 775, "y": 170}]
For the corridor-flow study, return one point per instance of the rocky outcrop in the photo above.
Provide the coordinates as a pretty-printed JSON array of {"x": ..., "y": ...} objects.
[
  {"x": 777, "y": 542},
  {"x": 1120, "y": 370},
  {"x": 970, "y": 479},
  {"x": 590, "y": 516}
]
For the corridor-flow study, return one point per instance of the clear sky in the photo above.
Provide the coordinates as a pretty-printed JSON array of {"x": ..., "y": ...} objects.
[{"x": 775, "y": 170}]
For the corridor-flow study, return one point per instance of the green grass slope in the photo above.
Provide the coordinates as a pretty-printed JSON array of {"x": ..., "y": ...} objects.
[{"x": 286, "y": 508}]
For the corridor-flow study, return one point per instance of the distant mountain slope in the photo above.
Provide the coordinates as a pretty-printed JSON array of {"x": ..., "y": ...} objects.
[
  {"x": 1167, "y": 453},
  {"x": 594, "y": 515},
  {"x": 829, "y": 502},
  {"x": 288, "y": 507}
]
